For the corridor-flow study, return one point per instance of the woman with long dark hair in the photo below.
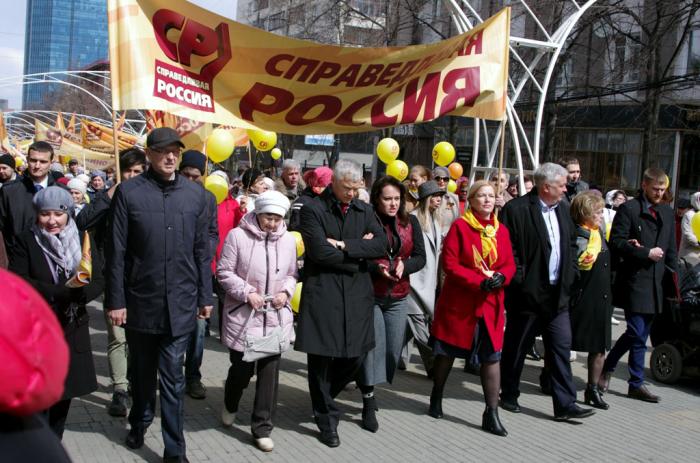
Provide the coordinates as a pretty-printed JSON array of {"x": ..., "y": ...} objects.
[{"x": 405, "y": 254}]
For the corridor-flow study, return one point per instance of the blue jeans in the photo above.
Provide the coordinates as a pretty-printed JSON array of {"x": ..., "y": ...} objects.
[
  {"x": 390, "y": 323},
  {"x": 154, "y": 356},
  {"x": 634, "y": 340},
  {"x": 195, "y": 353}
]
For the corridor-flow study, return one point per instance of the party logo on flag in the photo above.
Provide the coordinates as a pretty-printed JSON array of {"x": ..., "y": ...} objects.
[{"x": 175, "y": 84}]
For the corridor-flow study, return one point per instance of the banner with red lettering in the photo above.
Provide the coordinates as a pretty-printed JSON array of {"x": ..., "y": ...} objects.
[{"x": 173, "y": 56}]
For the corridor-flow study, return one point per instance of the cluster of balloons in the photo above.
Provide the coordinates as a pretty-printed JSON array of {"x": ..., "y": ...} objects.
[{"x": 387, "y": 151}]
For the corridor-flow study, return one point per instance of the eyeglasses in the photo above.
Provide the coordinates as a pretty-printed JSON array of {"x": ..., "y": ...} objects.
[
  {"x": 443, "y": 179},
  {"x": 176, "y": 151}
]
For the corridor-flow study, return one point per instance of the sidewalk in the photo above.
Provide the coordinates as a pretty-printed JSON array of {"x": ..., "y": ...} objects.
[{"x": 630, "y": 431}]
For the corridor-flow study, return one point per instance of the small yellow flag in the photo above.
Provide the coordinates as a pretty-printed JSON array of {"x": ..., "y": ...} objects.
[{"x": 83, "y": 273}]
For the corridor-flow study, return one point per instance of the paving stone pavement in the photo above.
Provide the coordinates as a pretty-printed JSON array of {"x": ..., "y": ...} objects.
[{"x": 631, "y": 431}]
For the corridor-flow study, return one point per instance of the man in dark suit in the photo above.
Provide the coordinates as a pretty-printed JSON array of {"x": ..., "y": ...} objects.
[
  {"x": 544, "y": 247},
  {"x": 643, "y": 239}
]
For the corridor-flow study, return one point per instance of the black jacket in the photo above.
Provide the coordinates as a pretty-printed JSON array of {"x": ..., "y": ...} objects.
[
  {"x": 638, "y": 282},
  {"x": 304, "y": 198},
  {"x": 28, "y": 261},
  {"x": 157, "y": 249},
  {"x": 530, "y": 290},
  {"x": 337, "y": 299},
  {"x": 16, "y": 209}
]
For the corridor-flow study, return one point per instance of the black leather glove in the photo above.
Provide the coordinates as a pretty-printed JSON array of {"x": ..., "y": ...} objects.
[
  {"x": 498, "y": 279},
  {"x": 485, "y": 285}
]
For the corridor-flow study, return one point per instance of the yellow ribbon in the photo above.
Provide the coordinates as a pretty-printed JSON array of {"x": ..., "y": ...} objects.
[{"x": 588, "y": 257}]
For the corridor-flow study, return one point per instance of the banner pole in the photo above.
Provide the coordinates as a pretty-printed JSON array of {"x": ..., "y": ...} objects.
[
  {"x": 115, "y": 141},
  {"x": 500, "y": 157}
]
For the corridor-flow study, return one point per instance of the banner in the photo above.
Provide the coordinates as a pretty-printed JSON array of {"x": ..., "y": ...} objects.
[
  {"x": 66, "y": 149},
  {"x": 100, "y": 138},
  {"x": 5, "y": 145},
  {"x": 173, "y": 56}
]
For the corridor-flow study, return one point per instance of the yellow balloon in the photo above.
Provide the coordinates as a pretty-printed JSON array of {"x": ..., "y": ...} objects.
[
  {"x": 451, "y": 186},
  {"x": 263, "y": 140},
  {"x": 695, "y": 225},
  {"x": 387, "y": 150},
  {"x": 217, "y": 186},
  {"x": 397, "y": 169},
  {"x": 276, "y": 153},
  {"x": 443, "y": 153},
  {"x": 296, "y": 298},
  {"x": 19, "y": 162},
  {"x": 220, "y": 145},
  {"x": 300, "y": 243}
]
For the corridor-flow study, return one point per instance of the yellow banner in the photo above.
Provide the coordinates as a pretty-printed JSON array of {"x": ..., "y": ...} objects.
[
  {"x": 173, "y": 56},
  {"x": 66, "y": 149},
  {"x": 193, "y": 134},
  {"x": 100, "y": 138}
]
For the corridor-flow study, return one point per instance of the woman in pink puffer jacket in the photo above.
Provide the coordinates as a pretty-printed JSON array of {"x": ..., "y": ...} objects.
[{"x": 258, "y": 261}]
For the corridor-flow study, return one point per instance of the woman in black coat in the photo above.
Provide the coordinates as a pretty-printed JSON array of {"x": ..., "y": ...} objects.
[
  {"x": 591, "y": 301},
  {"x": 47, "y": 256}
]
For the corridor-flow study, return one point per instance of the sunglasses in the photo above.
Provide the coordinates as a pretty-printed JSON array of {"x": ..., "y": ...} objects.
[{"x": 444, "y": 179}]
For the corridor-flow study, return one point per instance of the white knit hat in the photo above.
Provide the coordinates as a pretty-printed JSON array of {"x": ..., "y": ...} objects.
[
  {"x": 77, "y": 184},
  {"x": 84, "y": 178},
  {"x": 272, "y": 202},
  {"x": 221, "y": 174}
]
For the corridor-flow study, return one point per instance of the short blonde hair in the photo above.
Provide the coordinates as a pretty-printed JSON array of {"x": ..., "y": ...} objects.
[
  {"x": 585, "y": 205},
  {"x": 478, "y": 185}
]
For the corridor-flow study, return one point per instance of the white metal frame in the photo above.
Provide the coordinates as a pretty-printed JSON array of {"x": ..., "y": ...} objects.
[{"x": 548, "y": 49}]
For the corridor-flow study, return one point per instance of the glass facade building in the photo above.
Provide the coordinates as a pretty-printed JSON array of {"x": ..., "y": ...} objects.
[{"x": 62, "y": 35}]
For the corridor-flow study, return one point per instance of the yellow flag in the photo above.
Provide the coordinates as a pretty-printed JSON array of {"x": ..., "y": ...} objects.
[
  {"x": 83, "y": 274},
  {"x": 173, "y": 56}
]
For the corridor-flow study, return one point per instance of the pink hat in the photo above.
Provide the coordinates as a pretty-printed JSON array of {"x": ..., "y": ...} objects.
[
  {"x": 319, "y": 177},
  {"x": 32, "y": 347}
]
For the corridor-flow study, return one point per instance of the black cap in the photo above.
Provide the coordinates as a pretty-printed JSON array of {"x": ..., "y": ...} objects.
[
  {"x": 683, "y": 203},
  {"x": 8, "y": 160},
  {"x": 193, "y": 158},
  {"x": 162, "y": 137}
]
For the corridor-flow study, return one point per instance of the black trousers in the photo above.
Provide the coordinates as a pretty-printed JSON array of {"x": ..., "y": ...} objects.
[
  {"x": 266, "y": 386},
  {"x": 327, "y": 377},
  {"x": 556, "y": 335},
  {"x": 56, "y": 416},
  {"x": 154, "y": 356}
]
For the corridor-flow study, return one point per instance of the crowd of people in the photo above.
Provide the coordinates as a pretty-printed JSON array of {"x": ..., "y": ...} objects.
[{"x": 475, "y": 275}]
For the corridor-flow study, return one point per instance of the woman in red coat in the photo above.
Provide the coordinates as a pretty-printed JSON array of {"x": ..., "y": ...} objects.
[{"x": 469, "y": 317}]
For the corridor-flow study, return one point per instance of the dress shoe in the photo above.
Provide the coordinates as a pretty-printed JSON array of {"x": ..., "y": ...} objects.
[
  {"x": 604, "y": 381},
  {"x": 510, "y": 405},
  {"x": 176, "y": 459},
  {"x": 575, "y": 412},
  {"x": 491, "y": 423},
  {"x": 134, "y": 440},
  {"x": 196, "y": 390},
  {"x": 642, "y": 393},
  {"x": 369, "y": 417},
  {"x": 265, "y": 444},
  {"x": 330, "y": 438},
  {"x": 594, "y": 398},
  {"x": 435, "y": 409}
]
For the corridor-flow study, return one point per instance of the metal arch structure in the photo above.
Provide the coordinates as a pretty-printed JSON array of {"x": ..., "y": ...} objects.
[
  {"x": 20, "y": 120},
  {"x": 522, "y": 73},
  {"x": 91, "y": 77}
]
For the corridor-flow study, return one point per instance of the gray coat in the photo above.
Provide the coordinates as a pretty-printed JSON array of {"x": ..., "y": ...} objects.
[{"x": 424, "y": 283}]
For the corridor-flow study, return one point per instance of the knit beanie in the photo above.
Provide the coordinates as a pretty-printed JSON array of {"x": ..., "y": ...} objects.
[
  {"x": 272, "y": 202},
  {"x": 8, "y": 160},
  {"x": 77, "y": 184},
  {"x": 193, "y": 158},
  {"x": 53, "y": 198}
]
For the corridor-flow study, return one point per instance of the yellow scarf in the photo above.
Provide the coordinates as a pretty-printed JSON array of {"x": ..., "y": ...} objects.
[
  {"x": 489, "y": 251},
  {"x": 590, "y": 254}
]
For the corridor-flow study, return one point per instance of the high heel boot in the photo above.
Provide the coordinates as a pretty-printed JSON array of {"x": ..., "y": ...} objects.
[
  {"x": 491, "y": 423},
  {"x": 369, "y": 417},
  {"x": 435, "y": 409},
  {"x": 593, "y": 397}
]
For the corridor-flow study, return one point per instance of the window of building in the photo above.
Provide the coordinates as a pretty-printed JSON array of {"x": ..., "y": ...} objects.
[
  {"x": 694, "y": 51},
  {"x": 261, "y": 4},
  {"x": 628, "y": 49},
  {"x": 296, "y": 15},
  {"x": 371, "y": 8}
]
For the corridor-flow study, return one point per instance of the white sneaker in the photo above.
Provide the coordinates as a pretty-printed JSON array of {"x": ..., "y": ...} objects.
[
  {"x": 265, "y": 444},
  {"x": 227, "y": 417},
  {"x": 572, "y": 356},
  {"x": 615, "y": 321}
]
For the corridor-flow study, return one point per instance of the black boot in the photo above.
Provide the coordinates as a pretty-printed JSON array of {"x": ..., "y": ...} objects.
[
  {"x": 491, "y": 423},
  {"x": 435, "y": 409},
  {"x": 369, "y": 417},
  {"x": 594, "y": 398}
]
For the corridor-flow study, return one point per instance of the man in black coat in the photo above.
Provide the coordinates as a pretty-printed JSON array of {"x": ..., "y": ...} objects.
[
  {"x": 336, "y": 324},
  {"x": 17, "y": 213},
  {"x": 544, "y": 247},
  {"x": 159, "y": 273},
  {"x": 643, "y": 239}
]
